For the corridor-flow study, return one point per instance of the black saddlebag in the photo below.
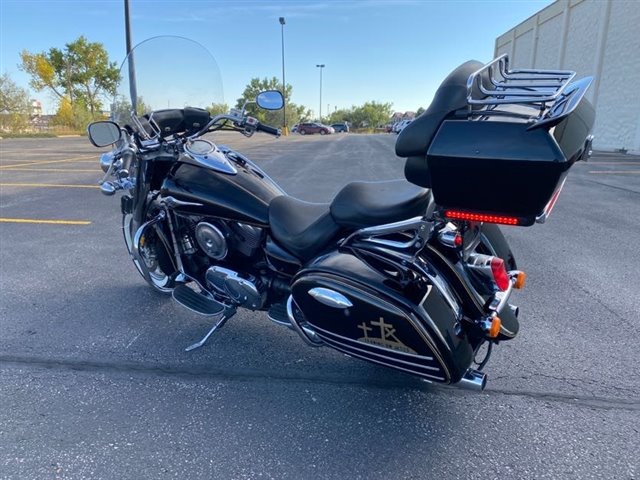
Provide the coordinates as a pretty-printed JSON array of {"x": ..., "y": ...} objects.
[{"x": 366, "y": 314}]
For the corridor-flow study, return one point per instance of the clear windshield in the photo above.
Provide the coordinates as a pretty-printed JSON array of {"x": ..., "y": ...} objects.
[{"x": 166, "y": 72}]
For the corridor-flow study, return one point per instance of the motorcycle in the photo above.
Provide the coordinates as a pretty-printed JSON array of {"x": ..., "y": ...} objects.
[{"x": 411, "y": 274}]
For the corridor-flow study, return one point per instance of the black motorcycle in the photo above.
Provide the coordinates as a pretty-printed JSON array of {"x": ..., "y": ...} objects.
[{"x": 412, "y": 274}]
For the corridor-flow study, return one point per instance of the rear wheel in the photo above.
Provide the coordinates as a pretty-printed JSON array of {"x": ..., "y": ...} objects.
[
  {"x": 303, "y": 132},
  {"x": 492, "y": 242},
  {"x": 151, "y": 251}
]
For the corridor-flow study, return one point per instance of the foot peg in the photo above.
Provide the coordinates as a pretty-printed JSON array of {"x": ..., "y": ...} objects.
[
  {"x": 278, "y": 314},
  {"x": 197, "y": 302},
  {"x": 203, "y": 305}
]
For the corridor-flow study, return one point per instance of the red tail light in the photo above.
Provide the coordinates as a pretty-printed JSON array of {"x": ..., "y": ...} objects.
[
  {"x": 499, "y": 273},
  {"x": 480, "y": 217}
]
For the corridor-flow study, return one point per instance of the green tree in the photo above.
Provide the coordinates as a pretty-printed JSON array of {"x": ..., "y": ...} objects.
[
  {"x": 15, "y": 106},
  {"x": 218, "y": 109},
  {"x": 371, "y": 114},
  {"x": 420, "y": 111},
  {"x": 121, "y": 109},
  {"x": 341, "y": 115},
  {"x": 80, "y": 71},
  {"x": 271, "y": 117}
]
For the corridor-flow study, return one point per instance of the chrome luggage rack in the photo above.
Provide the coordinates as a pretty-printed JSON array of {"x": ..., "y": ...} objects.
[{"x": 495, "y": 85}]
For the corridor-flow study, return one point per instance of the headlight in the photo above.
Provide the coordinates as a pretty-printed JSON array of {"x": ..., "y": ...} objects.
[{"x": 106, "y": 159}]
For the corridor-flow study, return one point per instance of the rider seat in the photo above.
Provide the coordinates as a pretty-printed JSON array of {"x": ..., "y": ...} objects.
[{"x": 305, "y": 228}]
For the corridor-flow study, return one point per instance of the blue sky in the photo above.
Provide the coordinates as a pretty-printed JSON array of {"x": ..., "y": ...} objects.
[{"x": 385, "y": 50}]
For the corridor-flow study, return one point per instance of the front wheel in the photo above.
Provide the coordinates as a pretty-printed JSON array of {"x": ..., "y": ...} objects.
[
  {"x": 151, "y": 251},
  {"x": 323, "y": 132},
  {"x": 303, "y": 132}
]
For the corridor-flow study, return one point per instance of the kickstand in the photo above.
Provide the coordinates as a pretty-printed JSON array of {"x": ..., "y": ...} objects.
[{"x": 226, "y": 315}]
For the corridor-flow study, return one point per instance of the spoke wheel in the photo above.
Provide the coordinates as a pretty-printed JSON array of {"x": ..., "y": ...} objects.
[{"x": 159, "y": 280}]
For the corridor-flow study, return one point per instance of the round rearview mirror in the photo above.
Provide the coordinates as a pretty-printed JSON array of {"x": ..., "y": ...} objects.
[
  {"x": 270, "y": 100},
  {"x": 103, "y": 133}
]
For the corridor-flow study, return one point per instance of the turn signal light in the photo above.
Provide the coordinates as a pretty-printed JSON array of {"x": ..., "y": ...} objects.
[
  {"x": 480, "y": 217},
  {"x": 494, "y": 329},
  {"x": 521, "y": 280},
  {"x": 500, "y": 275}
]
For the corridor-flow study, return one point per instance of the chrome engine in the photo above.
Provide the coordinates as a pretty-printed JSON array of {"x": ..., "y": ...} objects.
[
  {"x": 211, "y": 240},
  {"x": 242, "y": 291}
]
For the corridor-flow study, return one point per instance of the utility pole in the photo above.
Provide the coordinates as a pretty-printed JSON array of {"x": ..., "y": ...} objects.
[
  {"x": 133, "y": 89},
  {"x": 320, "y": 67},
  {"x": 285, "y": 130}
]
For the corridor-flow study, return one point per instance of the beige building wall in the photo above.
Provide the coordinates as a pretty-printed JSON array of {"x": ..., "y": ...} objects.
[{"x": 593, "y": 37}]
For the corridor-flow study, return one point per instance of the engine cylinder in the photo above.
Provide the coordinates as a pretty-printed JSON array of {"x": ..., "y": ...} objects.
[{"x": 211, "y": 240}]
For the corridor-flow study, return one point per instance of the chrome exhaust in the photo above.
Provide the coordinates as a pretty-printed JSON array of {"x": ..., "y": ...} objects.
[{"x": 473, "y": 380}]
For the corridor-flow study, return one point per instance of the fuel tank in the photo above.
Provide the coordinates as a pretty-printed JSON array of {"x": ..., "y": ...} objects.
[{"x": 240, "y": 191}]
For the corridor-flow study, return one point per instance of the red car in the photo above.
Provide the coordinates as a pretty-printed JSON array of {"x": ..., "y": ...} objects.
[{"x": 314, "y": 127}]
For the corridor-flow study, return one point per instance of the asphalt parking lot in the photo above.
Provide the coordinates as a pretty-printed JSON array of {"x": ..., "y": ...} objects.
[{"x": 95, "y": 382}]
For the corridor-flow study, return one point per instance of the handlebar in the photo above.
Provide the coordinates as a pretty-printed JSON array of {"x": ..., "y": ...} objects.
[
  {"x": 268, "y": 129},
  {"x": 239, "y": 121}
]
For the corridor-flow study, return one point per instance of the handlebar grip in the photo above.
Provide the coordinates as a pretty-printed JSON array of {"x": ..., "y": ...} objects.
[{"x": 267, "y": 129}]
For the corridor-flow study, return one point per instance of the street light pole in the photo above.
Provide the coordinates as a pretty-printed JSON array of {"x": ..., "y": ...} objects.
[
  {"x": 285, "y": 130},
  {"x": 133, "y": 88},
  {"x": 320, "y": 67}
]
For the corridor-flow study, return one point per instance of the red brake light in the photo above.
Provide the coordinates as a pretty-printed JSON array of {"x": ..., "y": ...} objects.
[
  {"x": 499, "y": 273},
  {"x": 480, "y": 217}
]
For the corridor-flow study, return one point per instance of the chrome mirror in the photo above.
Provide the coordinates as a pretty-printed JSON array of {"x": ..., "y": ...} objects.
[
  {"x": 270, "y": 100},
  {"x": 103, "y": 133}
]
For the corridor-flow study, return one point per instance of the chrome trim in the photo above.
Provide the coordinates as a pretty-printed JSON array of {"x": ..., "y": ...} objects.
[
  {"x": 215, "y": 160},
  {"x": 198, "y": 233},
  {"x": 526, "y": 85},
  {"x": 106, "y": 160},
  {"x": 191, "y": 142},
  {"x": 393, "y": 243},
  {"x": 227, "y": 313},
  {"x": 338, "y": 347},
  {"x": 172, "y": 202},
  {"x": 473, "y": 380},
  {"x": 135, "y": 247},
  {"x": 108, "y": 189},
  {"x": 419, "y": 329},
  {"x": 330, "y": 298},
  {"x": 448, "y": 238},
  {"x": 346, "y": 341},
  {"x": 307, "y": 334},
  {"x": 501, "y": 298},
  {"x": 418, "y": 223}
]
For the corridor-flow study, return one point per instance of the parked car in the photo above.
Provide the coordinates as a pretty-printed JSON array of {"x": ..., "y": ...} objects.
[
  {"x": 314, "y": 127},
  {"x": 340, "y": 127},
  {"x": 399, "y": 126},
  {"x": 294, "y": 129}
]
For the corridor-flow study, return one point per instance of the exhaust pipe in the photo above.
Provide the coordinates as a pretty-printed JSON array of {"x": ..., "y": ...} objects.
[{"x": 473, "y": 380}]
